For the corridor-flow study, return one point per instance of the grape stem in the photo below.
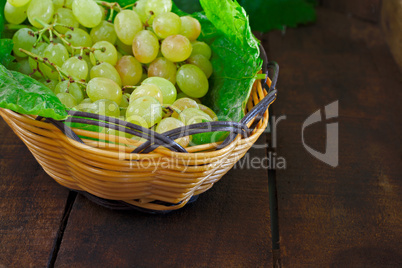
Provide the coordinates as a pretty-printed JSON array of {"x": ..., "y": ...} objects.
[
  {"x": 17, "y": 27},
  {"x": 45, "y": 61}
]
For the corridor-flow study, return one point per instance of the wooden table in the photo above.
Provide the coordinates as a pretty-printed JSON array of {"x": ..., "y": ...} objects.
[{"x": 306, "y": 215}]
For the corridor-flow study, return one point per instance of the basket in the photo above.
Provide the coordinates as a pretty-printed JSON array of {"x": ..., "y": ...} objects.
[{"x": 155, "y": 176}]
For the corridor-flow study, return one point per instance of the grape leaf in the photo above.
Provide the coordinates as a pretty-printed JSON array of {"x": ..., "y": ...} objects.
[
  {"x": 25, "y": 95},
  {"x": 6, "y": 46}
]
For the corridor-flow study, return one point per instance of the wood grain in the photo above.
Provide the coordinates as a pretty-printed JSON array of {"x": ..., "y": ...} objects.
[
  {"x": 391, "y": 24},
  {"x": 348, "y": 216},
  {"x": 228, "y": 226},
  {"x": 31, "y": 205},
  {"x": 363, "y": 9}
]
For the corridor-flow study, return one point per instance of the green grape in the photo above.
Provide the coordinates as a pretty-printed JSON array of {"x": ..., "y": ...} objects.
[
  {"x": 164, "y": 68},
  {"x": 147, "y": 90},
  {"x": 68, "y": 4},
  {"x": 24, "y": 38},
  {"x": 87, "y": 12},
  {"x": 176, "y": 48},
  {"x": 145, "y": 46},
  {"x": 103, "y": 88},
  {"x": 15, "y": 15},
  {"x": 190, "y": 27},
  {"x": 42, "y": 10},
  {"x": 67, "y": 99},
  {"x": 166, "y": 24},
  {"x": 57, "y": 54},
  {"x": 201, "y": 48},
  {"x": 130, "y": 70},
  {"x": 73, "y": 88},
  {"x": 123, "y": 48},
  {"x": 170, "y": 123},
  {"x": 155, "y": 7},
  {"x": 139, "y": 8},
  {"x": 51, "y": 84},
  {"x": 78, "y": 38},
  {"x": 168, "y": 89},
  {"x": 184, "y": 95},
  {"x": 106, "y": 70},
  {"x": 65, "y": 17},
  {"x": 23, "y": 66},
  {"x": 208, "y": 111},
  {"x": 105, "y": 52},
  {"x": 104, "y": 32},
  {"x": 203, "y": 63},
  {"x": 18, "y": 3},
  {"x": 119, "y": 56},
  {"x": 86, "y": 106},
  {"x": 182, "y": 104},
  {"x": 34, "y": 65},
  {"x": 126, "y": 24},
  {"x": 147, "y": 108},
  {"x": 125, "y": 100},
  {"x": 76, "y": 67},
  {"x": 192, "y": 81},
  {"x": 106, "y": 107},
  {"x": 58, "y": 4},
  {"x": 191, "y": 116}
]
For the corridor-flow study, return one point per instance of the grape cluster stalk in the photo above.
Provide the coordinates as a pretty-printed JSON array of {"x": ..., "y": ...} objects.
[{"x": 141, "y": 63}]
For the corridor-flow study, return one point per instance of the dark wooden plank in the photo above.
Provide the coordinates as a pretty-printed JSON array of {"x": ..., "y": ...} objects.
[
  {"x": 364, "y": 9},
  {"x": 228, "y": 226},
  {"x": 31, "y": 205},
  {"x": 348, "y": 216}
]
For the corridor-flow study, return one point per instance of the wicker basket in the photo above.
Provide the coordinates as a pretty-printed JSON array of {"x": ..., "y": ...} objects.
[{"x": 110, "y": 173}]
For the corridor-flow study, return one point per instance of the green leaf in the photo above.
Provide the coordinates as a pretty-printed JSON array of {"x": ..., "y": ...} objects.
[
  {"x": 6, "y": 46},
  {"x": 2, "y": 20},
  {"x": 25, "y": 95}
]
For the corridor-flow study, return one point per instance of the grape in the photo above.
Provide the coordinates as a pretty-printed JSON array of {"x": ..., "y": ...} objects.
[
  {"x": 170, "y": 124},
  {"x": 49, "y": 83},
  {"x": 24, "y": 66},
  {"x": 18, "y": 3},
  {"x": 58, "y": 4},
  {"x": 145, "y": 46},
  {"x": 105, "y": 52},
  {"x": 190, "y": 28},
  {"x": 203, "y": 63},
  {"x": 201, "y": 48},
  {"x": 76, "y": 67},
  {"x": 65, "y": 17},
  {"x": 15, "y": 15},
  {"x": 38, "y": 50},
  {"x": 87, "y": 12},
  {"x": 24, "y": 38},
  {"x": 106, "y": 107},
  {"x": 106, "y": 70},
  {"x": 69, "y": 4},
  {"x": 125, "y": 101},
  {"x": 168, "y": 89},
  {"x": 42, "y": 10},
  {"x": 56, "y": 54},
  {"x": 147, "y": 108},
  {"x": 147, "y": 90},
  {"x": 126, "y": 24},
  {"x": 139, "y": 8},
  {"x": 184, "y": 95},
  {"x": 86, "y": 106},
  {"x": 166, "y": 24},
  {"x": 155, "y": 7},
  {"x": 73, "y": 88},
  {"x": 208, "y": 111},
  {"x": 130, "y": 70},
  {"x": 192, "y": 81},
  {"x": 67, "y": 99},
  {"x": 123, "y": 48},
  {"x": 164, "y": 68},
  {"x": 78, "y": 38},
  {"x": 176, "y": 48},
  {"x": 103, "y": 88},
  {"x": 191, "y": 116},
  {"x": 182, "y": 104},
  {"x": 104, "y": 32}
]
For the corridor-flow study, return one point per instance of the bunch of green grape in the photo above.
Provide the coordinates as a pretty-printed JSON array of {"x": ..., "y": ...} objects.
[{"x": 141, "y": 63}]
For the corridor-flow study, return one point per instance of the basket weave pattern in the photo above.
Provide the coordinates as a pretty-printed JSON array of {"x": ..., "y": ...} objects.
[{"x": 111, "y": 171}]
